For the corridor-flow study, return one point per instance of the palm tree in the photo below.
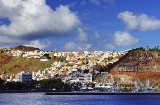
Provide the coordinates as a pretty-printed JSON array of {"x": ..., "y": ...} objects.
[{"x": 147, "y": 48}]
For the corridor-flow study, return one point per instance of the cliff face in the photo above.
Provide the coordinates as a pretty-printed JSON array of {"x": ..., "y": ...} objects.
[{"x": 140, "y": 64}]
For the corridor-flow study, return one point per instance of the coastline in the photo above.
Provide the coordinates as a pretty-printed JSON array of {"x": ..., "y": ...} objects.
[
  {"x": 52, "y": 92},
  {"x": 26, "y": 91},
  {"x": 102, "y": 93}
]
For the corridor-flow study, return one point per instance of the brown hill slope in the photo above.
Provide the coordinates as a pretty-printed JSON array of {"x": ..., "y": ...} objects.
[{"x": 10, "y": 64}]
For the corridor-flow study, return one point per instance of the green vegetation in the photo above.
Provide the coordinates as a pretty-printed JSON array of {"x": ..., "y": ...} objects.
[
  {"x": 110, "y": 58},
  {"x": 62, "y": 59},
  {"x": 146, "y": 49},
  {"x": 1, "y": 83},
  {"x": 53, "y": 84},
  {"x": 46, "y": 84},
  {"x": 138, "y": 49}
]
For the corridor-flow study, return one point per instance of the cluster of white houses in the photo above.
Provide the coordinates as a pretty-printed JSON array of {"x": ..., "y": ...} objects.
[{"x": 70, "y": 71}]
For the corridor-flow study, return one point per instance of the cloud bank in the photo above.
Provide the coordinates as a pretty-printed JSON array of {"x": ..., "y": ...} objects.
[
  {"x": 34, "y": 16},
  {"x": 34, "y": 19}
]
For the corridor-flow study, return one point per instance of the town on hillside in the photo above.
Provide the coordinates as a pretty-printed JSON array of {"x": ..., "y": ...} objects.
[{"x": 97, "y": 71}]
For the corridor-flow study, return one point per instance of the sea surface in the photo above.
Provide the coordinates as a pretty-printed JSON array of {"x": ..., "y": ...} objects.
[{"x": 41, "y": 99}]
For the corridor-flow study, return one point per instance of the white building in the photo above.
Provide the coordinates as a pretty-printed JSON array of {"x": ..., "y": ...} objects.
[{"x": 23, "y": 77}]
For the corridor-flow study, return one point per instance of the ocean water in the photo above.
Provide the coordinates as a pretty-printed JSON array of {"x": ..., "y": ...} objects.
[{"x": 41, "y": 99}]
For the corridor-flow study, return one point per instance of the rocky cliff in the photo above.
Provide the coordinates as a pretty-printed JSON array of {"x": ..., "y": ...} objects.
[{"x": 139, "y": 64}]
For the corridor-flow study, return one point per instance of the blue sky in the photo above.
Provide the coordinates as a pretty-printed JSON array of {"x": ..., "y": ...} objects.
[{"x": 80, "y": 25}]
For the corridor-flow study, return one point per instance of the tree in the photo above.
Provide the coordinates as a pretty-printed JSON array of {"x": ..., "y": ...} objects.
[
  {"x": 47, "y": 56},
  {"x": 47, "y": 84},
  {"x": 110, "y": 58},
  {"x": 9, "y": 86},
  {"x": 1, "y": 83},
  {"x": 14, "y": 86}
]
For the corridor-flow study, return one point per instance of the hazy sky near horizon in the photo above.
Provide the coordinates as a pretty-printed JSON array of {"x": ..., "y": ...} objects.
[{"x": 80, "y": 25}]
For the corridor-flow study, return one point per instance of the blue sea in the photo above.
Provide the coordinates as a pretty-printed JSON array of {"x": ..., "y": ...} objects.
[{"x": 41, "y": 99}]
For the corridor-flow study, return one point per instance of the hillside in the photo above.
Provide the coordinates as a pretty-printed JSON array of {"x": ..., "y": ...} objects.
[
  {"x": 12, "y": 65},
  {"x": 139, "y": 64}
]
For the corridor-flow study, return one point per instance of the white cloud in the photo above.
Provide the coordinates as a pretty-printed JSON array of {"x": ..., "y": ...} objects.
[
  {"x": 69, "y": 46},
  {"x": 38, "y": 44},
  {"x": 124, "y": 39},
  {"x": 6, "y": 12},
  {"x": 140, "y": 22},
  {"x": 33, "y": 17},
  {"x": 129, "y": 19},
  {"x": 80, "y": 43},
  {"x": 99, "y": 42},
  {"x": 82, "y": 36},
  {"x": 74, "y": 46},
  {"x": 8, "y": 40},
  {"x": 109, "y": 46}
]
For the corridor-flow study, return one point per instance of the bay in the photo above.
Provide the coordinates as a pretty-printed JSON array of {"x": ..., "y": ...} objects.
[{"x": 41, "y": 99}]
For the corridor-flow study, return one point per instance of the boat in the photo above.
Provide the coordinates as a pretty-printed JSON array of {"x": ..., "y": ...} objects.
[
  {"x": 147, "y": 87},
  {"x": 138, "y": 87}
]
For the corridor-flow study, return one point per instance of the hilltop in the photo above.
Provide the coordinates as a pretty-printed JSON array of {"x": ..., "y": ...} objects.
[{"x": 25, "y": 48}]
